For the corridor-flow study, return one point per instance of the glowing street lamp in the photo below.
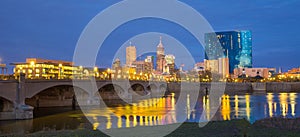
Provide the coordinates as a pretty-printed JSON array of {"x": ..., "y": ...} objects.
[{"x": 59, "y": 71}]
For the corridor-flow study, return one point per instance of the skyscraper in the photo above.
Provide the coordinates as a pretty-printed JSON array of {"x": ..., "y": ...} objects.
[
  {"x": 169, "y": 66},
  {"x": 149, "y": 59},
  {"x": 235, "y": 45},
  {"x": 160, "y": 56},
  {"x": 116, "y": 64},
  {"x": 130, "y": 55}
]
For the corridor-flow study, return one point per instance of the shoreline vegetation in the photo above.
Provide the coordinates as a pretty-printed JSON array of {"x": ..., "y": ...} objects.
[{"x": 268, "y": 127}]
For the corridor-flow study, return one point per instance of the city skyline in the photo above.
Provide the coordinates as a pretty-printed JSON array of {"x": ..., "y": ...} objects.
[
  {"x": 48, "y": 33},
  {"x": 149, "y": 68}
]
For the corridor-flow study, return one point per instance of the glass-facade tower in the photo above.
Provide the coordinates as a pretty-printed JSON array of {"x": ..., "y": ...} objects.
[{"x": 235, "y": 45}]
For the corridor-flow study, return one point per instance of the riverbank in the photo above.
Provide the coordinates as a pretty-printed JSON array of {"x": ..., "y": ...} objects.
[
  {"x": 269, "y": 127},
  {"x": 232, "y": 88}
]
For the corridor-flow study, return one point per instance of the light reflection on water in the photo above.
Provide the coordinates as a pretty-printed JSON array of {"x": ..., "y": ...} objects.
[
  {"x": 148, "y": 112},
  {"x": 153, "y": 112},
  {"x": 162, "y": 111}
]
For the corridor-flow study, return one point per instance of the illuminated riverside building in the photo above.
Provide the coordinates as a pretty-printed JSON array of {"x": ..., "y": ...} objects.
[
  {"x": 219, "y": 66},
  {"x": 128, "y": 72},
  {"x": 253, "y": 72},
  {"x": 236, "y": 46},
  {"x": 293, "y": 74},
  {"x": 212, "y": 65},
  {"x": 200, "y": 66},
  {"x": 36, "y": 68},
  {"x": 3, "y": 70}
]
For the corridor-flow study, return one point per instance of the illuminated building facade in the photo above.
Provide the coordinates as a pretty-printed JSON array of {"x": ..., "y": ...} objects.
[
  {"x": 223, "y": 67},
  {"x": 212, "y": 65},
  {"x": 169, "y": 66},
  {"x": 252, "y": 72},
  {"x": 219, "y": 66},
  {"x": 294, "y": 73},
  {"x": 150, "y": 59},
  {"x": 130, "y": 55},
  {"x": 160, "y": 55},
  {"x": 142, "y": 67},
  {"x": 235, "y": 45},
  {"x": 116, "y": 66},
  {"x": 35, "y": 68},
  {"x": 3, "y": 69},
  {"x": 200, "y": 66}
]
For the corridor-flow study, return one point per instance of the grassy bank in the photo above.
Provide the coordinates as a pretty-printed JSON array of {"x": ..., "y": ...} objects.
[{"x": 273, "y": 127}]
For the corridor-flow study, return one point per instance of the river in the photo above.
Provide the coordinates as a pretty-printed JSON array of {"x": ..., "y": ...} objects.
[{"x": 158, "y": 111}]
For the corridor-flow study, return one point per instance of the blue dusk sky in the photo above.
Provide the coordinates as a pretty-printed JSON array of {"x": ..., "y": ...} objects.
[{"x": 50, "y": 29}]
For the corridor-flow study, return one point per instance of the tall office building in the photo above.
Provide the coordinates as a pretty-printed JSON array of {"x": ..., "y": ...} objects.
[
  {"x": 130, "y": 55},
  {"x": 218, "y": 66},
  {"x": 142, "y": 67},
  {"x": 223, "y": 67},
  {"x": 169, "y": 66},
  {"x": 116, "y": 66},
  {"x": 235, "y": 45},
  {"x": 150, "y": 60},
  {"x": 160, "y": 61}
]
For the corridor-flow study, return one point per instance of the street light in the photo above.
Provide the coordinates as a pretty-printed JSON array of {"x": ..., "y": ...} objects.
[{"x": 59, "y": 71}]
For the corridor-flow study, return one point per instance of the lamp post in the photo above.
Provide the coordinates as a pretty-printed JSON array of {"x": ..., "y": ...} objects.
[{"x": 59, "y": 71}]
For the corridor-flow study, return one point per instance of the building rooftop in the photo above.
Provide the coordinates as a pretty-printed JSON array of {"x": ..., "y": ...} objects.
[{"x": 43, "y": 61}]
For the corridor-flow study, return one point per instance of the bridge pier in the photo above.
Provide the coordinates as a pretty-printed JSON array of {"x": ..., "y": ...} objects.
[{"x": 22, "y": 111}]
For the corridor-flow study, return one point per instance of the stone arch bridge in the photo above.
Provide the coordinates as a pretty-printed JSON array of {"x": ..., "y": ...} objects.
[{"x": 13, "y": 93}]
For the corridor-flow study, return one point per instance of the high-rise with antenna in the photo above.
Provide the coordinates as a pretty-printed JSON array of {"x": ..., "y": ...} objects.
[{"x": 160, "y": 56}]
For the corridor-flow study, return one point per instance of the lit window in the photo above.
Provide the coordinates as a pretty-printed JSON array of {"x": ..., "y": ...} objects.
[{"x": 32, "y": 63}]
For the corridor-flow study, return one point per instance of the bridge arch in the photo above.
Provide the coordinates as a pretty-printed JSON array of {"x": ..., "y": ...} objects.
[
  {"x": 58, "y": 95},
  {"x": 34, "y": 87},
  {"x": 6, "y": 105},
  {"x": 110, "y": 91},
  {"x": 138, "y": 88},
  {"x": 152, "y": 87},
  {"x": 163, "y": 88}
]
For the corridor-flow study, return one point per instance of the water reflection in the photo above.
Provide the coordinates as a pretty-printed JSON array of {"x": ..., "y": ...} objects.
[
  {"x": 283, "y": 103},
  {"x": 236, "y": 105},
  {"x": 150, "y": 112},
  {"x": 293, "y": 97},
  {"x": 206, "y": 107},
  {"x": 271, "y": 104},
  {"x": 248, "y": 109},
  {"x": 225, "y": 108},
  {"x": 162, "y": 111}
]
